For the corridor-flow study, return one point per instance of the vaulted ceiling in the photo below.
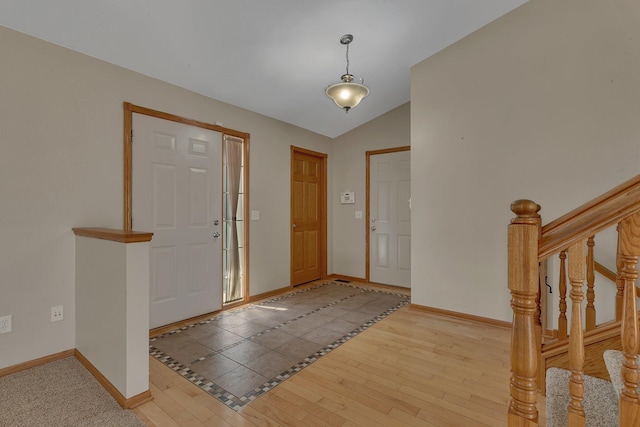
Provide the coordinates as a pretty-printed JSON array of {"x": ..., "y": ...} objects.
[{"x": 272, "y": 57}]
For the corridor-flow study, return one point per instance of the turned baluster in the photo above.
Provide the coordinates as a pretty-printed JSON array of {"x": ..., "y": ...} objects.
[
  {"x": 590, "y": 311},
  {"x": 524, "y": 231},
  {"x": 538, "y": 319},
  {"x": 542, "y": 297},
  {"x": 629, "y": 248},
  {"x": 619, "y": 280},
  {"x": 562, "y": 317},
  {"x": 576, "y": 339},
  {"x": 537, "y": 315}
]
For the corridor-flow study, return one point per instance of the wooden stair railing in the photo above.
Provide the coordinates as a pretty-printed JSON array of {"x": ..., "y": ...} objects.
[
  {"x": 592, "y": 268},
  {"x": 590, "y": 310},
  {"x": 629, "y": 232},
  {"x": 529, "y": 244},
  {"x": 598, "y": 335}
]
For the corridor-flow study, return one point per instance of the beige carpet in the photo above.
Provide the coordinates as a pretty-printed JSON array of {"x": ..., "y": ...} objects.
[
  {"x": 600, "y": 400},
  {"x": 60, "y": 393}
]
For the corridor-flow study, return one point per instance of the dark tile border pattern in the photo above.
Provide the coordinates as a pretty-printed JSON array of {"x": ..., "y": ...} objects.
[{"x": 237, "y": 402}]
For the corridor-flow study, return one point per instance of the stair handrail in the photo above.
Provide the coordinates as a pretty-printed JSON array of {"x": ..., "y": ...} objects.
[{"x": 590, "y": 218}]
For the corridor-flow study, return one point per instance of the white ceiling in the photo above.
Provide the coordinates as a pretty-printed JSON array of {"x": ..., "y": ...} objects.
[{"x": 273, "y": 57}]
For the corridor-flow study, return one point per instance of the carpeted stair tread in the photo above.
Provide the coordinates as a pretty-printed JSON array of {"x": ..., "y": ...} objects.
[
  {"x": 613, "y": 359},
  {"x": 600, "y": 400}
]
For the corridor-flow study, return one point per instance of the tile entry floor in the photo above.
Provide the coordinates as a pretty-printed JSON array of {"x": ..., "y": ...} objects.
[{"x": 238, "y": 355}]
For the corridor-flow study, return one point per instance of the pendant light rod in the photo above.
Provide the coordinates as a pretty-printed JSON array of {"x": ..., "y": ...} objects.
[{"x": 346, "y": 40}]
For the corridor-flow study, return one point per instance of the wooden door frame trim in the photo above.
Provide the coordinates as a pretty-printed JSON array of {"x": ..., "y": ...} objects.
[
  {"x": 368, "y": 197},
  {"x": 128, "y": 110},
  {"x": 323, "y": 211}
]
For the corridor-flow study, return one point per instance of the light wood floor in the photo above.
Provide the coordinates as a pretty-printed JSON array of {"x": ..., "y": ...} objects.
[{"x": 412, "y": 368}]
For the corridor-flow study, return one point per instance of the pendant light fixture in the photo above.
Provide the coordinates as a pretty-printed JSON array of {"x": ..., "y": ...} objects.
[{"x": 347, "y": 94}]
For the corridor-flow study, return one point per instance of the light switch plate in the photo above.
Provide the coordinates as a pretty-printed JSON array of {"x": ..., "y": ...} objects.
[{"x": 5, "y": 324}]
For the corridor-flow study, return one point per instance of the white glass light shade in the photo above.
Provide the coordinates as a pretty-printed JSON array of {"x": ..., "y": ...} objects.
[{"x": 347, "y": 95}]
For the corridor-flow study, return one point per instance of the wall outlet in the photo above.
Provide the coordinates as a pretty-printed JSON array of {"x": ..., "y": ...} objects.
[
  {"x": 56, "y": 313},
  {"x": 5, "y": 324}
]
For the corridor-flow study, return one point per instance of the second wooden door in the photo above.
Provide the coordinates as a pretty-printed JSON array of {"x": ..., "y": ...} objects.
[{"x": 308, "y": 194}]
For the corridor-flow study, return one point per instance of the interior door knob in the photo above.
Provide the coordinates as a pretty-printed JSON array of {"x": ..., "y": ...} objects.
[
  {"x": 373, "y": 228},
  {"x": 294, "y": 226},
  {"x": 216, "y": 234}
]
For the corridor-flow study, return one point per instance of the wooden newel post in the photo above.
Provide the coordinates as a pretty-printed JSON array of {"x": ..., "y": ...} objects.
[
  {"x": 523, "y": 236},
  {"x": 629, "y": 250}
]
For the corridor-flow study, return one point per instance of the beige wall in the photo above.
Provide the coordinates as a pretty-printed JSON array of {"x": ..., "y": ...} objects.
[
  {"x": 543, "y": 103},
  {"x": 61, "y": 167},
  {"x": 349, "y": 172},
  {"x": 497, "y": 116}
]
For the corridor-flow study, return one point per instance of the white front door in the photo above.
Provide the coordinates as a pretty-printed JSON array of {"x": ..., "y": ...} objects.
[
  {"x": 177, "y": 195},
  {"x": 390, "y": 218}
]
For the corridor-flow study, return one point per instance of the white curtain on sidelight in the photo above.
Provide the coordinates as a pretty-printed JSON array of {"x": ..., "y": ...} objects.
[{"x": 233, "y": 157}]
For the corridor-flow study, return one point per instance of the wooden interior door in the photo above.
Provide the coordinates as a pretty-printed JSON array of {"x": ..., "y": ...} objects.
[
  {"x": 177, "y": 194},
  {"x": 308, "y": 216}
]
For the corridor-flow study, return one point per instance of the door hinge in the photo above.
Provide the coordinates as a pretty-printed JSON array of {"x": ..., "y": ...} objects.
[{"x": 131, "y": 135}]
